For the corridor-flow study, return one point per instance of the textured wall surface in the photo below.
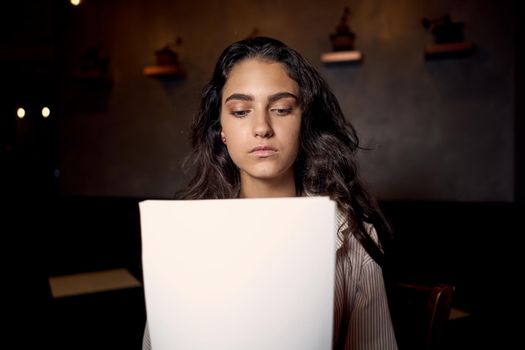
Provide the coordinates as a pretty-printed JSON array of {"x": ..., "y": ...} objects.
[{"x": 438, "y": 130}]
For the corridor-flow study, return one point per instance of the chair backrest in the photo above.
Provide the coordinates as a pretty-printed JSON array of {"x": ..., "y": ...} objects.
[{"x": 420, "y": 314}]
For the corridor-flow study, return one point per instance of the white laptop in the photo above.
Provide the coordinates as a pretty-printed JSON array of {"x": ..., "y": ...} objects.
[{"x": 239, "y": 273}]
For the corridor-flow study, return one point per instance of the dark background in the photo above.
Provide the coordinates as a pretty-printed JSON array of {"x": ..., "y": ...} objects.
[
  {"x": 439, "y": 130},
  {"x": 446, "y": 158}
]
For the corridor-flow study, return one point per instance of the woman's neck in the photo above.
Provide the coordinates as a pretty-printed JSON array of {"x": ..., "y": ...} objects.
[{"x": 266, "y": 188}]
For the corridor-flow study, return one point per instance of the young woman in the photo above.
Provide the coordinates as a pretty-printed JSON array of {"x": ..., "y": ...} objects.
[{"x": 269, "y": 126}]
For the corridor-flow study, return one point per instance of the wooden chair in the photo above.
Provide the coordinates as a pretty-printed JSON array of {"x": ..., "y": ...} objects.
[{"x": 420, "y": 314}]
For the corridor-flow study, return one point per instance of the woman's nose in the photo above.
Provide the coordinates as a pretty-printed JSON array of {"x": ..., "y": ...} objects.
[{"x": 262, "y": 125}]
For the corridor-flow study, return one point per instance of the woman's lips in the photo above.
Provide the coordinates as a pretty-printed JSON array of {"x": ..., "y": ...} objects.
[{"x": 263, "y": 151}]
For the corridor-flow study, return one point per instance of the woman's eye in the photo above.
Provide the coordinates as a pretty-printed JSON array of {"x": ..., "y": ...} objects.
[
  {"x": 281, "y": 111},
  {"x": 239, "y": 114}
]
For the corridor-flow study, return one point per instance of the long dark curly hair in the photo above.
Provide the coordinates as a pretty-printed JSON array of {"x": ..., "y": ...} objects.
[{"x": 326, "y": 164}]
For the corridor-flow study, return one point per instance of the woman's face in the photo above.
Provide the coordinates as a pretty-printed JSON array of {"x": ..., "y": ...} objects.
[{"x": 261, "y": 120}]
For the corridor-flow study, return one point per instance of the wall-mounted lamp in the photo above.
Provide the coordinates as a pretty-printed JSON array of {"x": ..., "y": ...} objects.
[
  {"x": 46, "y": 112},
  {"x": 20, "y": 112}
]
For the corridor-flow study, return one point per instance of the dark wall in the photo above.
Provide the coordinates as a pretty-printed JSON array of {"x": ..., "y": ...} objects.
[
  {"x": 520, "y": 108},
  {"x": 439, "y": 130},
  {"x": 28, "y": 53},
  {"x": 448, "y": 122}
]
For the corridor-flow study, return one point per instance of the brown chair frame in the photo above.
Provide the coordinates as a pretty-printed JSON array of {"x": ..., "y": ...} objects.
[{"x": 420, "y": 314}]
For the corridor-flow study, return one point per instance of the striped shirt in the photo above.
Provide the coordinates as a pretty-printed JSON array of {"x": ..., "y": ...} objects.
[{"x": 361, "y": 315}]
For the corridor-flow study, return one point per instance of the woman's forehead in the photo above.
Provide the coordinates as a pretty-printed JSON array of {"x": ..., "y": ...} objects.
[{"x": 259, "y": 76}]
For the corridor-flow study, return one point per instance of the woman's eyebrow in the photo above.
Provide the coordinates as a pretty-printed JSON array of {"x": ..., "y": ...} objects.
[
  {"x": 271, "y": 98},
  {"x": 242, "y": 97},
  {"x": 281, "y": 95}
]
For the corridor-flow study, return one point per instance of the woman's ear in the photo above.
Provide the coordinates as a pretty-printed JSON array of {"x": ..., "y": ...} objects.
[{"x": 223, "y": 137}]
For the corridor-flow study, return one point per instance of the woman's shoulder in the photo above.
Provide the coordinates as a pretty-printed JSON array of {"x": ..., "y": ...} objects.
[
  {"x": 354, "y": 249},
  {"x": 342, "y": 226}
]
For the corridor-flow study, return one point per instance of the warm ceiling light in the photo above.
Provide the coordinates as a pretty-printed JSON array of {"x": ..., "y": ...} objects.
[
  {"x": 45, "y": 112},
  {"x": 20, "y": 112},
  {"x": 75, "y": 2}
]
